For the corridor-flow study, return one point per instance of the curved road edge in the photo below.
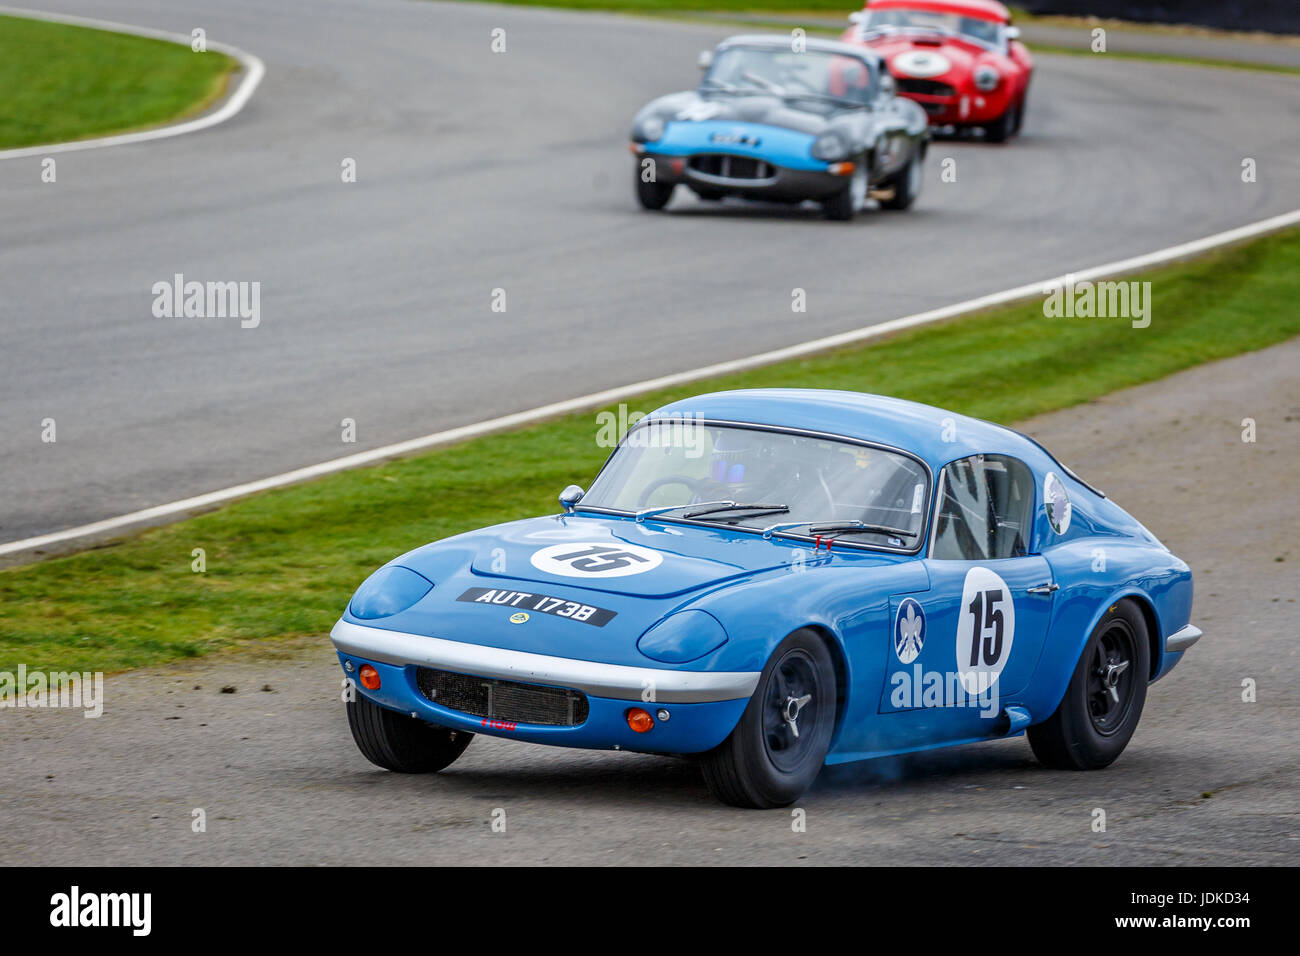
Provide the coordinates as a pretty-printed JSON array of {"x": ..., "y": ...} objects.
[
  {"x": 160, "y": 514},
  {"x": 252, "y": 71}
]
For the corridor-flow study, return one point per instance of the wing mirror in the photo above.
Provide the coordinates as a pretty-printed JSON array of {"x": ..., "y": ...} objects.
[
  {"x": 705, "y": 59},
  {"x": 570, "y": 496},
  {"x": 857, "y": 16},
  {"x": 887, "y": 85},
  {"x": 1013, "y": 33}
]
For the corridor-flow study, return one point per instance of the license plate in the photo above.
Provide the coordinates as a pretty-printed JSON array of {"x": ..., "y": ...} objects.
[{"x": 532, "y": 603}]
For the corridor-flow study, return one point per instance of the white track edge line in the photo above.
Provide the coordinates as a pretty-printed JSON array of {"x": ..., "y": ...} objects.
[
  {"x": 600, "y": 399},
  {"x": 253, "y": 71}
]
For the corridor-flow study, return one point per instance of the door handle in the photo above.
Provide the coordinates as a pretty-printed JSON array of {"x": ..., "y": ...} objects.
[{"x": 1047, "y": 588}]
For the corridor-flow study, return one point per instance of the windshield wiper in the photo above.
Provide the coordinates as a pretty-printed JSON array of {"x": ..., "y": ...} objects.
[
  {"x": 763, "y": 82},
  {"x": 841, "y": 526},
  {"x": 663, "y": 510},
  {"x": 826, "y": 98},
  {"x": 708, "y": 508},
  {"x": 837, "y": 526},
  {"x": 738, "y": 506}
]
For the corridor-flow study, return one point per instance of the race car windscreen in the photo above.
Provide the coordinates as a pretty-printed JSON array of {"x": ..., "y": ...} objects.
[
  {"x": 782, "y": 72},
  {"x": 820, "y": 481},
  {"x": 987, "y": 32}
]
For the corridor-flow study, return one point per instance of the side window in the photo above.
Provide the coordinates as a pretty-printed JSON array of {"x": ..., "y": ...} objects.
[{"x": 985, "y": 509}]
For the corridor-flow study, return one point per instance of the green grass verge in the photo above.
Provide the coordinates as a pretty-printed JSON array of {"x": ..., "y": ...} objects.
[
  {"x": 60, "y": 82},
  {"x": 283, "y": 563}
]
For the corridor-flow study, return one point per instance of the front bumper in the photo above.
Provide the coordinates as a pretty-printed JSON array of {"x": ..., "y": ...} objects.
[
  {"x": 960, "y": 108},
  {"x": 1182, "y": 639},
  {"x": 703, "y": 706},
  {"x": 782, "y": 184},
  {"x": 615, "y": 681}
]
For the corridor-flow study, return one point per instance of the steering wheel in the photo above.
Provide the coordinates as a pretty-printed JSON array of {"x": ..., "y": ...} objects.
[{"x": 690, "y": 483}]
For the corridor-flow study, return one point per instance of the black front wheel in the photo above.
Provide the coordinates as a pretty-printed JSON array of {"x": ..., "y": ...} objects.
[
  {"x": 401, "y": 743},
  {"x": 1101, "y": 708},
  {"x": 1005, "y": 126},
  {"x": 849, "y": 201},
  {"x": 653, "y": 194},
  {"x": 778, "y": 747}
]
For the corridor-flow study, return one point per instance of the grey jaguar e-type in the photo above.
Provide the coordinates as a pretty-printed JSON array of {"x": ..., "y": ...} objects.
[{"x": 784, "y": 119}]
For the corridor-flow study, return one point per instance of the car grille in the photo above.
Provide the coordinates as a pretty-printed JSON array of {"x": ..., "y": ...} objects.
[
  {"x": 505, "y": 701},
  {"x": 925, "y": 87},
  {"x": 727, "y": 166}
]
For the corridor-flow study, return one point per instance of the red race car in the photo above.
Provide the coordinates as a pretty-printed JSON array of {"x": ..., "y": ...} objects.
[{"x": 959, "y": 59}]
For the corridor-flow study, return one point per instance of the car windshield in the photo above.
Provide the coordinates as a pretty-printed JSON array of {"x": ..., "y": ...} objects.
[
  {"x": 754, "y": 478},
  {"x": 985, "y": 32},
  {"x": 781, "y": 71}
]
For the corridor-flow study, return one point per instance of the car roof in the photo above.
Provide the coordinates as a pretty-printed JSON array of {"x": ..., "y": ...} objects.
[
  {"x": 932, "y": 434},
  {"x": 782, "y": 40},
  {"x": 983, "y": 9}
]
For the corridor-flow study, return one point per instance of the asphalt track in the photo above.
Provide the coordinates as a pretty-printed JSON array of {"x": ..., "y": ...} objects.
[
  {"x": 479, "y": 171},
  {"x": 1207, "y": 779}
]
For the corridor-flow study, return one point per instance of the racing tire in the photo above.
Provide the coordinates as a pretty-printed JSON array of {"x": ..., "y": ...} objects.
[
  {"x": 653, "y": 195},
  {"x": 844, "y": 205},
  {"x": 1100, "y": 710},
  {"x": 763, "y": 763},
  {"x": 400, "y": 743},
  {"x": 1005, "y": 126},
  {"x": 907, "y": 185}
]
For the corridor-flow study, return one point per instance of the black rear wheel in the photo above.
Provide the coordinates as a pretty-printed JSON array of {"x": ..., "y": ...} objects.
[
  {"x": 1102, "y": 706},
  {"x": 401, "y": 743},
  {"x": 780, "y": 743},
  {"x": 906, "y": 183}
]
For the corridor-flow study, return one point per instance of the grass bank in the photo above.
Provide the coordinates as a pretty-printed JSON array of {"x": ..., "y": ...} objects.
[{"x": 60, "y": 82}]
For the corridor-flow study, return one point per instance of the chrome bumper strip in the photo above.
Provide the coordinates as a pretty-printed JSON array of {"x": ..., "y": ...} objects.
[
  {"x": 618, "y": 681},
  {"x": 1182, "y": 639}
]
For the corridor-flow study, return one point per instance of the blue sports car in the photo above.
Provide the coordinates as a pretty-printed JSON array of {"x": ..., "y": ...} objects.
[
  {"x": 773, "y": 580},
  {"x": 781, "y": 119}
]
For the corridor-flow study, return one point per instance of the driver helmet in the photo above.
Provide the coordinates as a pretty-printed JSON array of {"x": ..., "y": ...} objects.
[{"x": 732, "y": 456}]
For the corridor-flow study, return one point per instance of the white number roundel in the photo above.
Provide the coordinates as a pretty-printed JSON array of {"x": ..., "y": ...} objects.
[
  {"x": 921, "y": 64},
  {"x": 986, "y": 626},
  {"x": 587, "y": 559}
]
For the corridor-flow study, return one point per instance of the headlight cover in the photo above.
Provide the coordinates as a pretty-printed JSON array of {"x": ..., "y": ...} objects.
[
  {"x": 685, "y": 636},
  {"x": 388, "y": 591},
  {"x": 986, "y": 78},
  {"x": 652, "y": 129},
  {"x": 830, "y": 146}
]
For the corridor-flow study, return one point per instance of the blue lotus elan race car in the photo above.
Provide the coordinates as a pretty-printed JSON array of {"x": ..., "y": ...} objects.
[{"x": 773, "y": 580}]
